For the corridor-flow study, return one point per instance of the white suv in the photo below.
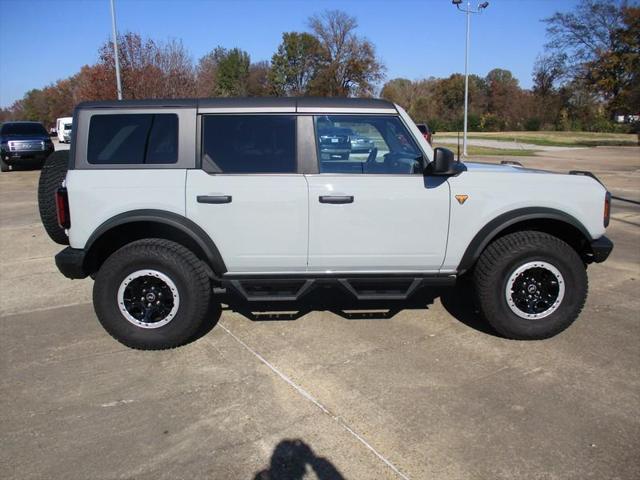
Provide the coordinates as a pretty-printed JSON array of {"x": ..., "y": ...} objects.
[{"x": 164, "y": 200}]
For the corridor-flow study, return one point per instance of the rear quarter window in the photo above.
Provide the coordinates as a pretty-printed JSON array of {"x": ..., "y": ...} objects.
[{"x": 133, "y": 139}]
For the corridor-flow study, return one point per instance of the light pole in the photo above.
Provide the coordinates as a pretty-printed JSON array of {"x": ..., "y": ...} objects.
[
  {"x": 115, "y": 49},
  {"x": 468, "y": 11}
]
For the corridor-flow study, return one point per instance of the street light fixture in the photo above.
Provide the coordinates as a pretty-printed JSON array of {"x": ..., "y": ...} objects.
[{"x": 468, "y": 11}]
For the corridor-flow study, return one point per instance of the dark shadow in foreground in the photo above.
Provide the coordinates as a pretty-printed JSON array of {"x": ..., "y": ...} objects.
[
  {"x": 458, "y": 301},
  {"x": 290, "y": 460}
]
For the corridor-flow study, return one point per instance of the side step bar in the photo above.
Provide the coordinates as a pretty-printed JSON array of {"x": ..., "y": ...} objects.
[{"x": 263, "y": 289}]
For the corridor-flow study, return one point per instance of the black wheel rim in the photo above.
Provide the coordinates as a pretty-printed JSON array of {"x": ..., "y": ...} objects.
[
  {"x": 535, "y": 290},
  {"x": 148, "y": 299}
]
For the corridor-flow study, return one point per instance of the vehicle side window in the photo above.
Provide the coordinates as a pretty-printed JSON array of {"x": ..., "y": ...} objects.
[
  {"x": 249, "y": 143},
  {"x": 366, "y": 144},
  {"x": 140, "y": 138}
]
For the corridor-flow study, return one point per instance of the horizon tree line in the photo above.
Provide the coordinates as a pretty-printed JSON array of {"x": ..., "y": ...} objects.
[{"x": 589, "y": 72}]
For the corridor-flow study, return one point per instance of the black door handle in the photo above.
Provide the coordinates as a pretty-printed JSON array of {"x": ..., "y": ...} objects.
[
  {"x": 336, "y": 199},
  {"x": 214, "y": 198}
]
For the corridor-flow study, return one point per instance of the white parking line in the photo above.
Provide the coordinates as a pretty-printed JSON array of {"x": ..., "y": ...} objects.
[{"x": 317, "y": 403}]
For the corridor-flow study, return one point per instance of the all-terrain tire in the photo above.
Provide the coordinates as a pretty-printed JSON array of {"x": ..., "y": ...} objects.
[
  {"x": 54, "y": 171},
  {"x": 175, "y": 262},
  {"x": 503, "y": 258},
  {"x": 4, "y": 166}
]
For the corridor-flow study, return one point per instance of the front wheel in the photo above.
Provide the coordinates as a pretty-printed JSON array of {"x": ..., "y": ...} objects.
[
  {"x": 152, "y": 294},
  {"x": 530, "y": 285}
]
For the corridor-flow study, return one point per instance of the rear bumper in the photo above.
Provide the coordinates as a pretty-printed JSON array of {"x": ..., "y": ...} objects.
[
  {"x": 70, "y": 262},
  {"x": 601, "y": 249}
]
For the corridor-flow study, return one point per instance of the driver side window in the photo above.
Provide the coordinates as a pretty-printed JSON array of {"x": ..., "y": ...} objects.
[{"x": 366, "y": 144}]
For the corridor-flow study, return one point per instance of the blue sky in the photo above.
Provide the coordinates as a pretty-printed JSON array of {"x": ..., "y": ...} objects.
[{"x": 415, "y": 39}]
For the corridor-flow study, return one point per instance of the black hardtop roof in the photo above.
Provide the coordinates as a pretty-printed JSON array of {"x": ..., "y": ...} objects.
[{"x": 244, "y": 102}]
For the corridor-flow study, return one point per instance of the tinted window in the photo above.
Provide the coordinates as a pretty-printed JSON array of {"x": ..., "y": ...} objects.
[
  {"x": 249, "y": 143},
  {"x": 23, "y": 129},
  {"x": 133, "y": 139},
  {"x": 366, "y": 144}
]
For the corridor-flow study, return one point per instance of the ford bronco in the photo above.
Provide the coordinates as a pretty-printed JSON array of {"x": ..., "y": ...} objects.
[{"x": 161, "y": 201}]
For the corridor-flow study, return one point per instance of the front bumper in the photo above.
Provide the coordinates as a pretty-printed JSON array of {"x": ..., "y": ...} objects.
[
  {"x": 20, "y": 156},
  {"x": 70, "y": 262},
  {"x": 601, "y": 249}
]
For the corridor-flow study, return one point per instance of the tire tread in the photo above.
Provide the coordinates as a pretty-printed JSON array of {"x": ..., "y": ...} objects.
[
  {"x": 171, "y": 251},
  {"x": 513, "y": 244},
  {"x": 53, "y": 173}
]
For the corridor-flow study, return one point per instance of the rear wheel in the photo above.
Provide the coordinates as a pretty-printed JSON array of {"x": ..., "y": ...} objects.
[
  {"x": 152, "y": 294},
  {"x": 530, "y": 285}
]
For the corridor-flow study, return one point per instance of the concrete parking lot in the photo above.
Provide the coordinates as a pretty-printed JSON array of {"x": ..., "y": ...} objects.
[{"x": 419, "y": 389}]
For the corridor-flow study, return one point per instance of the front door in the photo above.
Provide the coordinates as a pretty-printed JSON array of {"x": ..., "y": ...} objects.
[{"x": 372, "y": 210}]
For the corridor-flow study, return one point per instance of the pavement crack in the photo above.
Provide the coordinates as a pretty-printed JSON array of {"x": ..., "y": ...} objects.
[{"x": 304, "y": 393}]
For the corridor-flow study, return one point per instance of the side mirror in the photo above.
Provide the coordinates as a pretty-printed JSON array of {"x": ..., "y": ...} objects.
[{"x": 444, "y": 163}]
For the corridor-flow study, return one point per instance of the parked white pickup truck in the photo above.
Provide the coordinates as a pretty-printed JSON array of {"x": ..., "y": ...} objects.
[{"x": 162, "y": 200}]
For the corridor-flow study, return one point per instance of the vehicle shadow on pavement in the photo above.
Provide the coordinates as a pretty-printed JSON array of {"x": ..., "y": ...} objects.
[
  {"x": 290, "y": 460},
  {"x": 457, "y": 301}
]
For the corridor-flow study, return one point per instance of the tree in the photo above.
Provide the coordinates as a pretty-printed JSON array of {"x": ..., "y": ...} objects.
[
  {"x": 547, "y": 102},
  {"x": 615, "y": 73},
  {"x": 296, "y": 63},
  {"x": 148, "y": 69},
  {"x": 580, "y": 34},
  {"x": 547, "y": 71},
  {"x": 232, "y": 73},
  {"x": 206, "y": 72},
  {"x": 505, "y": 98},
  {"x": 350, "y": 66},
  {"x": 400, "y": 91},
  {"x": 258, "y": 84},
  {"x": 224, "y": 73},
  {"x": 598, "y": 48},
  {"x": 176, "y": 65}
]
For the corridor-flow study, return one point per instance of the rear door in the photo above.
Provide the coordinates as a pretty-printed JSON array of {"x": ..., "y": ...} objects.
[
  {"x": 248, "y": 195},
  {"x": 374, "y": 210}
]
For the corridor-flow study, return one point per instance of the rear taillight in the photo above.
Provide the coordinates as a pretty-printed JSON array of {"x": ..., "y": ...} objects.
[
  {"x": 607, "y": 209},
  {"x": 62, "y": 208}
]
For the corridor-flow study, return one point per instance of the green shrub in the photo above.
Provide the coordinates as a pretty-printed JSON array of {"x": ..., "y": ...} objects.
[
  {"x": 532, "y": 124},
  {"x": 491, "y": 122}
]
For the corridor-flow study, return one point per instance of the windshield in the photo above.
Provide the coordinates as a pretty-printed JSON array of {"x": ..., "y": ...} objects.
[
  {"x": 67, "y": 126},
  {"x": 23, "y": 129}
]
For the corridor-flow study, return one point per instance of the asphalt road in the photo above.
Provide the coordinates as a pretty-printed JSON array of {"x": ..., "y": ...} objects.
[{"x": 423, "y": 390}]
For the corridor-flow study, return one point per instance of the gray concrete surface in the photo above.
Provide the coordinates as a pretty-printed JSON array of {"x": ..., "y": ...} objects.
[{"x": 424, "y": 391}]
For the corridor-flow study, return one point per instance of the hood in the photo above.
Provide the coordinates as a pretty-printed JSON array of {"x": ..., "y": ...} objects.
[
  {"x": 17, "y": 136},
  {"x": 498, "y": 168}
]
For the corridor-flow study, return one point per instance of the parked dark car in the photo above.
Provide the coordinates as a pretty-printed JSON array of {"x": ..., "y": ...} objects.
[
  {"x": 426, "y": 131},
  {"x": 23, "y": 144},
  {"x": 335, "y": 142}
]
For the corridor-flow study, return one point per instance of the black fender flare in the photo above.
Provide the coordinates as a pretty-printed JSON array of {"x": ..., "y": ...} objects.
[
  {"x": 173, "y": 220},
  {"x": 504, "y": 221}
]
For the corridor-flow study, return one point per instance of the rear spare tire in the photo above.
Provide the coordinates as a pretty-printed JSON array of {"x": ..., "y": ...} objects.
[{"x": 53, "y": 173}]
